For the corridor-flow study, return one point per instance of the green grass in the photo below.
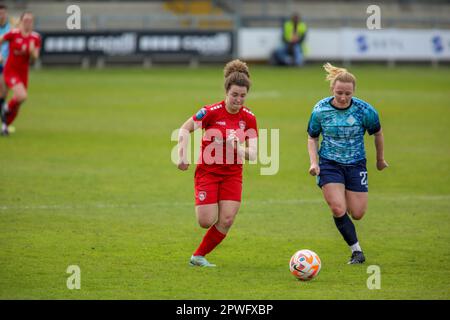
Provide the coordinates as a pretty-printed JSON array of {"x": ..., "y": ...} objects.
[{"x": 87, "y": 180}]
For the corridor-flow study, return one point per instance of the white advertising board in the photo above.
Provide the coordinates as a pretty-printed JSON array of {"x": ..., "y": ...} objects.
[{"x": 352, "y": 44}]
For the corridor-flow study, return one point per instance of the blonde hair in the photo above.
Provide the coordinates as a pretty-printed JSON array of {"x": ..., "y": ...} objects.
[
  {"x": 338, "y": 74},
  {"x": 236, "y": 72}
]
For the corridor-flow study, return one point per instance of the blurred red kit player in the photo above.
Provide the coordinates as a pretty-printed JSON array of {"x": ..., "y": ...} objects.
[
  {"x": 24, "y": 46},
  {"x": 230, "y": 136}
]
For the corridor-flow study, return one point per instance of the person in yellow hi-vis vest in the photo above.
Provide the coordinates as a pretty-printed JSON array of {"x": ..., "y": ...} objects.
[{"x": 294, "y": 34}]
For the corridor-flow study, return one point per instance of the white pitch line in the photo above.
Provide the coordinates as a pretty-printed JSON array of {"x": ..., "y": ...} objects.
[{"x": 406, "y": 198}]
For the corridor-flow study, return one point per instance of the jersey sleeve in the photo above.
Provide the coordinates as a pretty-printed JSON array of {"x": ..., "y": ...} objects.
[
  {"x": 371, "y": 120},
  {"x": 8, "y": 36},
  {"x": 202, "y": 116},
  {"x": 251, "y": 131},
  {"x": 314, "y": 126},
  {"x": 37, "y": 41}
]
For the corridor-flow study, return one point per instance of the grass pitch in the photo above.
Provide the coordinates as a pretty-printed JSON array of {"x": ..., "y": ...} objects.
[{"x": 87, "y": 180}]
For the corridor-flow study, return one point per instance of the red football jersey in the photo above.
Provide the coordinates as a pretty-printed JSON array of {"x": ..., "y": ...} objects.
[
  {"x": 19, "y": 54},
  {"x": 215, "y": 154}
]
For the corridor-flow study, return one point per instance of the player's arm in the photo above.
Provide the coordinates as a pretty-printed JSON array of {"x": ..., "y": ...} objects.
[
  {"x": 34, "y": 52},
  {"x": 314, "y": 130},
  {"x": 379, "y": 146},
  {"x": 183, "y": 140},
  {"x": 3, "y": 38},
  {"x": 1, "y": 41},
  {"x": 373, "y": 126},
  {"x": 313, "y": 147}
]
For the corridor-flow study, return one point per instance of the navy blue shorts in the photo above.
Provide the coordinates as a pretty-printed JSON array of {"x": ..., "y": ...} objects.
[{"x": 353, "y": 176}]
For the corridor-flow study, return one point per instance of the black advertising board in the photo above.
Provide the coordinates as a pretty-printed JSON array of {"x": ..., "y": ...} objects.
[{"x": 123, "y": 43}]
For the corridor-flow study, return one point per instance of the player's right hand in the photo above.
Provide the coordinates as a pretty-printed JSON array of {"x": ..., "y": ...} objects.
[
  {"x": 183, "y": 166},
  {"x": 381, "y": 164},
  {"x": 232, "y": 139},
  {"x": 314, "y": 170}
]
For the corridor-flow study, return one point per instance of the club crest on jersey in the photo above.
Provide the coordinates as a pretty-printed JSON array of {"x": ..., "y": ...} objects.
[
  {"x": 202, "y": 195},
  {"x": 351, "y": 120},
  {"x": 200, "y": 114},
  {"x": 242, "y": 124}
]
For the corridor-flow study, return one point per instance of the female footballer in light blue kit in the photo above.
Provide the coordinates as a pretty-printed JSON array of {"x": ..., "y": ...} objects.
[{"x": 341, "y": 168}]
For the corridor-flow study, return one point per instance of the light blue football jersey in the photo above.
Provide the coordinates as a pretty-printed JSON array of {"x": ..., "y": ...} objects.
[
  {"x": 5, "y": 45},
  {"x": 343, "y": 129}
]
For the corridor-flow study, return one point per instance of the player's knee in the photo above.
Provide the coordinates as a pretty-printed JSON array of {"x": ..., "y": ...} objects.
[
  {"x": 22, "y": 97},
  {"x": 357, "y": 214},
  {"x": 337, "y": 210},
  {"x": 206, "y": 223},
  {"x": 226, "y": 222}
]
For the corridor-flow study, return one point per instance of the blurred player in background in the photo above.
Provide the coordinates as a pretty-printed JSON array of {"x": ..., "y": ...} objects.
[
  {"x": 341, "y": 168},
  {"x": 5, "y": 27},
  {"x": 24, "y": 47},
  {"x": 230, "y": 135}
]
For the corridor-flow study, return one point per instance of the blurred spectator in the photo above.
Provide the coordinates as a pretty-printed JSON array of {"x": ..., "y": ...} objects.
[{"x": 291, "y": 52}]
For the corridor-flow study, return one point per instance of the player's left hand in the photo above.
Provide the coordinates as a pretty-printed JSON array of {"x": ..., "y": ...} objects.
[
  {"x": 381, "y": 164},
  {"x": 31, "y": 47}
]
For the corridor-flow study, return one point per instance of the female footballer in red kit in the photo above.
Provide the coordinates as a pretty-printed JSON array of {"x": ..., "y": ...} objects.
[
  {"x": 230, "y": 135},
  {"x": 24, "y": 46}
]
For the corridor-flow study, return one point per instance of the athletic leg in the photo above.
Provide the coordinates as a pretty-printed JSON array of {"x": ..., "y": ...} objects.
[
  {"x": 335, "y": 196},
  {"x": 228, "y": 210},
  {"x": 206, "y": 216},
  {"x": 3, "y": 95},
  {"x": 3, "y": 90},
  {"x": 356, "y": 203},
  {"x": 357, "y": 189},
  {"x": 19, "y": 96},
  {"x": 207, "y": 209}
]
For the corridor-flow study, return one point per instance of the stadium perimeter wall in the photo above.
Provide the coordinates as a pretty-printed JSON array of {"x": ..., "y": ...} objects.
[{"x": 250, "y": 44}]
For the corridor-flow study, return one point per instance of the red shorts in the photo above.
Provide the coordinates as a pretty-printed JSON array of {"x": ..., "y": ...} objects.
[
  {"x": 12, "y": 78},
  {"x": 212, "y": 188}
]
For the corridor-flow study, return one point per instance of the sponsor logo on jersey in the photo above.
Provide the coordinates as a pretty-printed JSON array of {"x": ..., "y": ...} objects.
[
  {"x": 242, "y": 124},
  {"x": 222, "y": 123}
]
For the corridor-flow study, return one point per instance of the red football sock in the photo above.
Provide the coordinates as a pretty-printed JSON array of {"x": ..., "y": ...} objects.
[
  {"x": 13, "y": 109},
  {"x": 211, "y": 240}
]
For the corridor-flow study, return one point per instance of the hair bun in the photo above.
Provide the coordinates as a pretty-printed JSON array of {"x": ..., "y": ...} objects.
[{"x": 236, "y": 66}]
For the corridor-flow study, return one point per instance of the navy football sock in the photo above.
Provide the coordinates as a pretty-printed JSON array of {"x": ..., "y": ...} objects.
[{"x": 347, "y": 229}]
